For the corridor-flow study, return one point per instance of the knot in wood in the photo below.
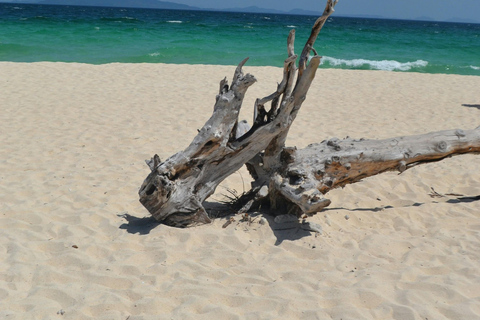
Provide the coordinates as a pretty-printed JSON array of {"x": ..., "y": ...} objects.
[
  {"x": 442, "y": 146},
  {"x": 460, "y": 133},
  {"x": 402, "y": 166}
]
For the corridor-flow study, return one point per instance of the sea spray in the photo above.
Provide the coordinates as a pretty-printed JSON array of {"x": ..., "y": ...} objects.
[{"x": 388, "y": 65}]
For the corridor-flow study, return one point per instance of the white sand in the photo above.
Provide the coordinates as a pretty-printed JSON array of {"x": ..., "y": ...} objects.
[{"x": 74, "y": 139}]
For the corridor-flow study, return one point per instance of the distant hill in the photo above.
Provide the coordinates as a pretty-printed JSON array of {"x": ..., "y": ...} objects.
[
  {"x": 154, "y": 4},
  {"x": 255, "y": 9},
  {"x": 462, "y": 20},
  {"x": 252, "y": 9},
  {"x": 424, "y": 18},
  {"x": 362, "y": 16},
  {"x": 305, "y": 12}
]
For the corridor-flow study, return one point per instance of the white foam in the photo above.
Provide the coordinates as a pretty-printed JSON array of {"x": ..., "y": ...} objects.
[
  {"x": 387, "y": 65},
  {"x": 475, "y": 68},
  {"x": 175, "y": 21},
  {"x": 291, "y": 26}
]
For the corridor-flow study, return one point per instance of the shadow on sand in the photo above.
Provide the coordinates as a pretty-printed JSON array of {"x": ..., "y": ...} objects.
[
  {"x": 141, "y": 226},
  {"x": 471, "y": 106},
  {"x": 291, "y": 231}
]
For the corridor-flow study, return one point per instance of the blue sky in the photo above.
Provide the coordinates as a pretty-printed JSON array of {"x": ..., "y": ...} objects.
[
  {"x": 398, "y": 9},
  {"x": 442, "y": 10}
]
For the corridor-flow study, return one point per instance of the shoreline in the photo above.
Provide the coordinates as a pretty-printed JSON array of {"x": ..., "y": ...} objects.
[
  {"x": 75, "y": 140},
  {"x": 263, "y": 66}
]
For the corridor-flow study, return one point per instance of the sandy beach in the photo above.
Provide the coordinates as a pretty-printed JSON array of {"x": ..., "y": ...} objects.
[{"x": 76, "y": 243}]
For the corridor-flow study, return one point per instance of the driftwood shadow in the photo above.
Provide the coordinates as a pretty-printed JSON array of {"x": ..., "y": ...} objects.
[
  {"x": 459, "y": 199},
  {"x": 471, "y": 106},
  {"x": 134, "y": 225},
  {"x": 290, "y": 232},
  {"x": 464, "y": 199},
  {"x": 374, "y": 209},
  {"x": 217, "y": 209}
]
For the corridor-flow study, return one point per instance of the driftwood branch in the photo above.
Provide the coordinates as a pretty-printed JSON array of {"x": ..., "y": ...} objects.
[
  {"x": 314, "y": 34},
  {"x": 311, "y": 172},
  {"x": 291, "y": 181}
]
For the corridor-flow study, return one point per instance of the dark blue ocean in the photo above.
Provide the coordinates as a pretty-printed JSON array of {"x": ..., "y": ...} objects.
[{"x": 95, "y": 35}]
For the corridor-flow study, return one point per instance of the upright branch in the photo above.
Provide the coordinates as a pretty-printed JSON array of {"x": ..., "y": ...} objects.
[
  {"x": 175, "y": 189},
  {"x": 329, "y": 9}
]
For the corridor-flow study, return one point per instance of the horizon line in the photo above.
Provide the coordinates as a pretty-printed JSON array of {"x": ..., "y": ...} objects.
[{"x": 262, "y": 10}]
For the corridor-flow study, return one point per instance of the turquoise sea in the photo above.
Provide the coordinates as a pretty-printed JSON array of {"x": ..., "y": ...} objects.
[{"x": 98, "y": 35}]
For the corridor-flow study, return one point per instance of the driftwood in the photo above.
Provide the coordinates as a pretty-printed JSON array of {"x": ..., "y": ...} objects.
[{"x": 297, "y": 180}]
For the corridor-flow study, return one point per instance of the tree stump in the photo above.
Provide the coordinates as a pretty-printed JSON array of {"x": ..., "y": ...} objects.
[{"x": 297, "y": 180}]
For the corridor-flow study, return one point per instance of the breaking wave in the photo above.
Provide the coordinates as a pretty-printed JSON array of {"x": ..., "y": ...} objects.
[{"x": 387, "y": 65}]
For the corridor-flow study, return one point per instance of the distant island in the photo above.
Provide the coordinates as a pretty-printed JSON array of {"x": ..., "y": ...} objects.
[
  {"x": 152, "y": 4},
  {"x": 255, "y": 9},
  {"x": 155, "y": 4}
]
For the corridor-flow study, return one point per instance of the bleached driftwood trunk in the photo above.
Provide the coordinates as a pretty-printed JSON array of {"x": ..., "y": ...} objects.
[
  {"x": 309, "y": 173},
  {"x": 297, "y": 179}
]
